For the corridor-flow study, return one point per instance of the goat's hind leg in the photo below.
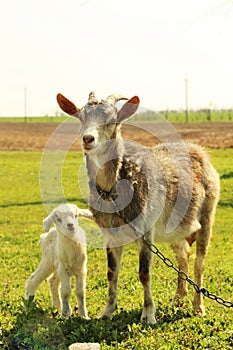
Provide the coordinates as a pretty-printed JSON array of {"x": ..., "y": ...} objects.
[
  {"x": 201, "y": 250},
  {"x": 145, "y": 261},
  {"x": 202, "y": 241},
  {"x": 43, "y": 271},
  {"x": 54, "y": 283},
  {"x": 114, "y": 259},
  {"x": 182, "y": 251}
]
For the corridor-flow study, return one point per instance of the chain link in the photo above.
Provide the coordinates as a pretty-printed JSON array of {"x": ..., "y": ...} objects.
[{"x": 184, "y": 276}]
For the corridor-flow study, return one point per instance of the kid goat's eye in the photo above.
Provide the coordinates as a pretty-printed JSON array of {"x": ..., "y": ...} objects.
[
  {"x": 59, "y": 220},
  {"x": 76, "y": 216}
]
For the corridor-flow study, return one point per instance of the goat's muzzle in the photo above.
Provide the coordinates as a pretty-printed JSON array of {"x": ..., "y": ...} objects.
[
  {"x": 88, "y": 141},
  {"x": 70, "y": 226}
]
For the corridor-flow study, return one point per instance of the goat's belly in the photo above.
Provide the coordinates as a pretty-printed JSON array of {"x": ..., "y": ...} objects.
[
  {"x": 117, "y": 233},
  {"x": 163, "y": 235},
  {"x": 119, "y": 236}
]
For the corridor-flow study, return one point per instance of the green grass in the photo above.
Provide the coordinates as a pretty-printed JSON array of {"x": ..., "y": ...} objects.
[
  {"x": 200, "y": 116},
  {"x": 180, "y": 117},
  {"x": 38, "y": 326},
  {"x": 204, "y": 115}
]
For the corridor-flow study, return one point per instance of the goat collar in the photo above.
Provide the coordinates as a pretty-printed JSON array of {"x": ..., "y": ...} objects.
[{"x": 106, "y": 196}]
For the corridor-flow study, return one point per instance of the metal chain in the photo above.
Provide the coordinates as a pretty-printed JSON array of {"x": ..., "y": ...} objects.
[{"x": 184, "y": 276}]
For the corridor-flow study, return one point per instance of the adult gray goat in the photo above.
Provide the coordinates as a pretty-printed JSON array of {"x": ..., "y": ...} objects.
[{"x": 167, "y": 193}]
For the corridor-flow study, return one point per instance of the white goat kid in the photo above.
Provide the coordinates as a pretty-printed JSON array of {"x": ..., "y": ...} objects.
[
  {"x": 63, "y": 255},
  {"x": 166, "y": 193}
]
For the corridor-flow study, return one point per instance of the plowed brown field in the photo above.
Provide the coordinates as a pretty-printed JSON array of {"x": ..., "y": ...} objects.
[{"x": 34, "y": 136}]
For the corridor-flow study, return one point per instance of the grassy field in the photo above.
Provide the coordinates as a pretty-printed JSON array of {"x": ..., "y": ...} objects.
[
  {"x": 38, "y": 326},
  {"x": 204, "y": 115},
  {"x": 201, "y": 116}
]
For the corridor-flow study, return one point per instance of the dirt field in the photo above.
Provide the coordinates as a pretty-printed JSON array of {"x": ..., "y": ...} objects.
[{"x": 34, "y": 136}]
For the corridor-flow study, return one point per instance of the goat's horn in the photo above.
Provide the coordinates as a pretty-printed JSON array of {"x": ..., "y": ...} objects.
[
  {"x": 114, "y": 98},
  {"x": 92, "y": 98}
]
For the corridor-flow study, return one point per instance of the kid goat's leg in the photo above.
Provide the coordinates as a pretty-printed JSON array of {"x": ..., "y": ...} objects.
[
  {"x": 81, "y": 294},
  {"x": 43, "y": 271},
  {"x": 145, "y": 261},
  {"x": 65, "y": 291},
  {"x": 114, "y": 259},
  {"x": 54, "y": 283}
]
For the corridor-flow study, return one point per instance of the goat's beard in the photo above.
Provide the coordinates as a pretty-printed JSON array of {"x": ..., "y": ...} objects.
[{"x": 105, "y": 151}]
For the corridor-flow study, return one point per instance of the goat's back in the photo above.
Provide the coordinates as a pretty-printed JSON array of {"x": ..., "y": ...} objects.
[
  {"x": 48, "y": 242},
  {"x": 180, "y": 161}
]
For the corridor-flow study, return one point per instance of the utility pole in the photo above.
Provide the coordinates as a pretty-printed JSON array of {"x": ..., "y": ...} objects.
[
  {"x": 25, "y": 105},
  {"x": 186, "y": 101}
]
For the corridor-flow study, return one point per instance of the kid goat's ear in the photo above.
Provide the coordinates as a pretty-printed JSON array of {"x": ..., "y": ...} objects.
[
  {"x": 67, "y": 106},
  {"x": 85, "y": 213},
  {"x": 128, "y": 109},
  {"x": 47, "y": 222}
]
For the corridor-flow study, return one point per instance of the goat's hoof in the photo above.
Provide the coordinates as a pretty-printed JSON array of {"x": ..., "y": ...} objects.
[
  {"x": 199, "y": 311},
  {"x": 148, "y": 319},
  {"x": 105, "y": 315},
  {"x": 85, "y": 317},
  {"x": 65, "y": 314},
  {"x": 107, "y": 312},
  {"x": 178, "y": 300}
]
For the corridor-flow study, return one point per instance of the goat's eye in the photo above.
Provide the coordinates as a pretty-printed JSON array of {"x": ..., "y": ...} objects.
[
  {"x": 59, "y": 220},
  {"x": 76, "y": 215}
]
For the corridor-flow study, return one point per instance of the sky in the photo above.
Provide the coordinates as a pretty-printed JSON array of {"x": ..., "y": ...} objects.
[{"x": 132, "y": 47}]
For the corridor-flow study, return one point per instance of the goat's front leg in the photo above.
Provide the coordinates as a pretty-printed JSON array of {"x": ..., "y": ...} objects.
[
  {"x": 114, "y": 259},
  {"x": 145, "y": 261},
  {"x": 65, "y": 291},
  {"x": 81, "y": 294}
]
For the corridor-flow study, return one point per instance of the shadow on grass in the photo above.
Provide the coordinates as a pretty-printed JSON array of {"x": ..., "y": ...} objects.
[
  {"x": 227, "y": 176},
  {"x": 36, "y": 328},
  {"x": 57, "y": 202},
  {"x": 124, "y": 325},
  {"x": 225, "y": 204}
]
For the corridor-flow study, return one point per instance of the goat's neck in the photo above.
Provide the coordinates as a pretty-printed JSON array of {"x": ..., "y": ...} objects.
[
  {"x": 104, "y": 165},
  {"x": 67, "y": 240}
]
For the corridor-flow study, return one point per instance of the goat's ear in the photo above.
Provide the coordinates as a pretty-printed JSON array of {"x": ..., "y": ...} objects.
[
  {"x": 86, "y": 213},
  {"x": 128, "y": 109},
  {"x": 67, "y": 106},
  {"x": 47, "y": 222}
]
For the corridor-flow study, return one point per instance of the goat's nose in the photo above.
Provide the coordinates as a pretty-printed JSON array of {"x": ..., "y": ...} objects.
[
  {"x": 70, "y": 226},
  {"x": 88, "y": 138}
]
